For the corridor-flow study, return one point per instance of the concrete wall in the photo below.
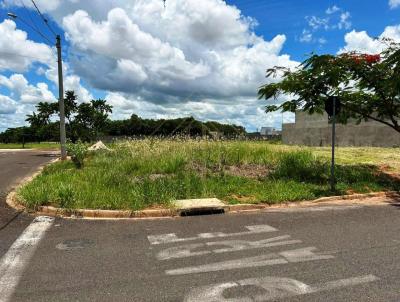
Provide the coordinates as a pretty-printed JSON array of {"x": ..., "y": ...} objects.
[{"x": 314, "y": 130}]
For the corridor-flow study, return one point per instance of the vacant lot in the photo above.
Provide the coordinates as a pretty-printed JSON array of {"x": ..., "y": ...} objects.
[{"x": 152, "y": 172}]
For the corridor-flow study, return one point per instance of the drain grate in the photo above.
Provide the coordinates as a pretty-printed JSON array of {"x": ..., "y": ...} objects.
[{"x": 201, "y": 211}]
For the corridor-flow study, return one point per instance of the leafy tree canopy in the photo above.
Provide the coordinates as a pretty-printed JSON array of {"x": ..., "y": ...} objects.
[{"x": 368, "y": 85}]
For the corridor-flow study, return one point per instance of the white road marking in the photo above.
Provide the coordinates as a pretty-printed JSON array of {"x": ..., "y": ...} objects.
[
  {"x": 292, "y": 256},
  {"x": 274, "y": 288},
  {"x": 13, "y": 263},
  {"x": 172, "y": 237},
  {"x": 187, "y": 250}
]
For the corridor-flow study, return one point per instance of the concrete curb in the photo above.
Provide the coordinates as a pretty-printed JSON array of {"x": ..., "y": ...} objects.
[
  {"x": 239, "y": 208},
  {"x": 332, "y": 200}
]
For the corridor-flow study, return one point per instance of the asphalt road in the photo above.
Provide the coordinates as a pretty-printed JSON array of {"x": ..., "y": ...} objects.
[
  {"x": 318, "y": 254},
  {"x": 14, "y": 167}
]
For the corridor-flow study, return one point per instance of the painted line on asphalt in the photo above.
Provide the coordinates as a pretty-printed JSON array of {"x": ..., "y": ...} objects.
[
  {"x": 290, "y": 256},
  {"x": 172, "y": 237},
  {"x": 13, "y": 263},
  {"x": 273, "y": 288},
  {"x": 190, "y": 250}
]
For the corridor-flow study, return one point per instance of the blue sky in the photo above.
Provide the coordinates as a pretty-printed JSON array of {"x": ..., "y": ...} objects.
[
  {"x": 205, "y": 59},
  {"x": 289, "y": 17}
]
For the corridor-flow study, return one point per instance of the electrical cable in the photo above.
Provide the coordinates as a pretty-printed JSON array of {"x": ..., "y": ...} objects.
[
  {"x": 20, "y": 55},
  {"x": 43, "y": 18},
  {"x": 29, "y": 14},
  {"x": 35, "y": 30}
]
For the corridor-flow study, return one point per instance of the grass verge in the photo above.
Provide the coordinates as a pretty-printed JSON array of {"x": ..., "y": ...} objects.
[
  {"x": 152, "y": 173},
  {"x": 38, "y": 146}
]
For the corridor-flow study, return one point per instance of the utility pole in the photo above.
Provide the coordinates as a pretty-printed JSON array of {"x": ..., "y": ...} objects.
[
  {"x": 333, "y": 186},
  {"x": 63, "y": 138},
  {"x": 61, "y": 100}
]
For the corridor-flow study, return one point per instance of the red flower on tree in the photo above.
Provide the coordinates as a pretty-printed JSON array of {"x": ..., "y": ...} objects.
[{"x": 370, "y": 59}]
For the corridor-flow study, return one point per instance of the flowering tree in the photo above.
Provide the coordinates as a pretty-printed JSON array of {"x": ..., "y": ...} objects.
[{"x": 368, "y": 85}]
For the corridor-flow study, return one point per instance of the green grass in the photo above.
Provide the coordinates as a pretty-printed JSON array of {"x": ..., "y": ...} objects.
[
  {"x": 152, "y": 172},
  {"x": 41, "y": 146}
]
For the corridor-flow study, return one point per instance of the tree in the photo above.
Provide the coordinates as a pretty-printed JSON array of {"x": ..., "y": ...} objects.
[
  {"x": 368, "y": 85},
  {"x": 91, "y": 118}
]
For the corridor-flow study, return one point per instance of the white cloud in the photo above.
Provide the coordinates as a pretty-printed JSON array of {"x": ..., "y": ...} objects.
[
  {"x": 333, "y": 9},
  {"x": 248, "y": 112},
  {"x": 335, "y": 18},
  {"x": 306, "y": 36},
  {"x": 7, "y": 105},
  {"x": 17, "y": 53},
  {"x": 24, "y": 92},
  {"x": 182, "y": 60},
  {"x": 316, "y": 23},
  {"x": 362, "y": 42},
  {"x": 394, "y": 4},
  {"x": 21, "y": 99},
  {"x": 344, "y": 22}
]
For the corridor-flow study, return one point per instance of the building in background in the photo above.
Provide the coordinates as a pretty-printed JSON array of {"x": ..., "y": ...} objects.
[
  {"x": 270, "y": 131},
  {"x": 314, "y": 130}
]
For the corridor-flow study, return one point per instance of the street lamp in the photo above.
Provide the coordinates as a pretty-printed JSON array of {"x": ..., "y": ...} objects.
[{"x": 60, "y": 87}]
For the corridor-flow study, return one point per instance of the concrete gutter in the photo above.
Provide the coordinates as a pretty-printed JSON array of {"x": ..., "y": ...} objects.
[{"x": 370, "y": 199}]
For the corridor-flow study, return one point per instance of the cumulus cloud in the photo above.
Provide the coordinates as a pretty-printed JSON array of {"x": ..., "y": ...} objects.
[
  {"x": 21, "y": 99},
  {"x": 21, "y": 53},
  {"x": 187, "y": 55},
  {"x": 25, "y": 93},
  {"x": 247, "y": 112},
  {"x": 360, "y": 41},
  {"x": 7, "y": 105},
  {"x": 184, "y": 58}
]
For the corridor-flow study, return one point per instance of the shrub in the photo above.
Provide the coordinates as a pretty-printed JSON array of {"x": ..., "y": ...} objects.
[
  {"x": 78, "y": 153},
  {"x": 301, "y": 166}
]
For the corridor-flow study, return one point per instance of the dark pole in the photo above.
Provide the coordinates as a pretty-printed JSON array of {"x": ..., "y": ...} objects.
[
  {"x": 61, "y": 100},
  {"x": 333, "y": 145}
]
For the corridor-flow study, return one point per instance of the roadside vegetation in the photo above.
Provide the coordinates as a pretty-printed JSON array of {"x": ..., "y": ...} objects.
[
  {"x": 153, "y": 172},
  {"x": 37, "y": 146}
]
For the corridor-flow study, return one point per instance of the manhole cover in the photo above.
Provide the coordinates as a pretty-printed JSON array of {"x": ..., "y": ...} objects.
[{"x": 75, "y": 244}]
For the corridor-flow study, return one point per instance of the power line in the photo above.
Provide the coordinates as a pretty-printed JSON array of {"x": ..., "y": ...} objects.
[
  {"x": 43, "y": 18},
  {"x": 20, "y": 55},
  {"x": 29, "y": 14},
  {"x": 35, "y": 30}
]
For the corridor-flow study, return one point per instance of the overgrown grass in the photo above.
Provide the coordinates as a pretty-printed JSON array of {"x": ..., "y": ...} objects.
[{"x": 152, "y": 172}]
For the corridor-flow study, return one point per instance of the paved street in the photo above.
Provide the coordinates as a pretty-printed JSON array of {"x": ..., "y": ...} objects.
[
  {"x": 318, "y": 254},
  {"x": 14, "y": 166}
]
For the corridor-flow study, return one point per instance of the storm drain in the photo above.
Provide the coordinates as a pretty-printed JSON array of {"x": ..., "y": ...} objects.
[{"x": 196, "y": 207}]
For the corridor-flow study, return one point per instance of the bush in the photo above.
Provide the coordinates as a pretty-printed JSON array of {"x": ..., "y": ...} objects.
[
  {"x": 78, "y": 153},
  {"x": 301, "y": 166}
]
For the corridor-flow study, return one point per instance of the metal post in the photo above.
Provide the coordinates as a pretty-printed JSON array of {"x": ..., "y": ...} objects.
[
  {"x": 333, "y": 146},
  {"x": 61, "y": 100}
]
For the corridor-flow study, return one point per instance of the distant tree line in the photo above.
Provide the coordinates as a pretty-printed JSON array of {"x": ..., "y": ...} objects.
[{"x": 89, "y": 121}]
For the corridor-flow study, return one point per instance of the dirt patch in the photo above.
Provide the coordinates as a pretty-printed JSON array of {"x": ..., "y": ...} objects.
[
  {"x": 388, "y": 172},
  {"x": 252, "y": 171},
  {"x": 249, "y": 171}
]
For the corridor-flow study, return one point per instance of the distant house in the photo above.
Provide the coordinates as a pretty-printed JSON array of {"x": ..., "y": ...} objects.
[
  {"x": 270, "y": 131},
  {"x": 314, "y": 130}
]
